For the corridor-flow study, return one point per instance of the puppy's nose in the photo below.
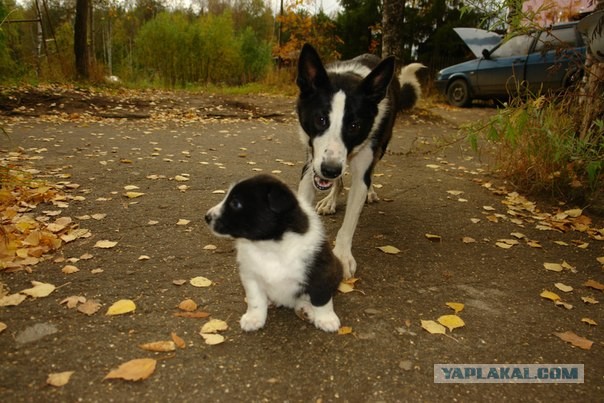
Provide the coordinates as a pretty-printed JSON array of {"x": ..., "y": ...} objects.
[
  {"x": 330, "y": 171},
  {"x": 208, "y": 218}
]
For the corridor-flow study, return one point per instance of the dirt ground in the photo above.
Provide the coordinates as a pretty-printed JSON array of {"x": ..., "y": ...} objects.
[{"x": 462, "y": 235}]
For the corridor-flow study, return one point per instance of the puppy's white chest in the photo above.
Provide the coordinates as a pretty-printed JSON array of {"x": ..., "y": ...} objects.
[{"x": 279, "y": 271}]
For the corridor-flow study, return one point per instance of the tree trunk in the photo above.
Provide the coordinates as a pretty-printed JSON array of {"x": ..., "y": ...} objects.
[
  {"x": 392, "y": 22},
  {"x": 80, "y": 40}
]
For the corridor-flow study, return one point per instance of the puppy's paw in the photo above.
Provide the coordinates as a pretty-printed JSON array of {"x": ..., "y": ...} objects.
[
  {"x": 304, "y": 311},
  {"x": 327, "y": 205},
  {"x": 327, "y": 321},
  {"x": 253, "y": 320}
]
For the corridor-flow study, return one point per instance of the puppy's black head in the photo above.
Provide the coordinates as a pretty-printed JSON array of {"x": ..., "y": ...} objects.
[{"x": 259, "y": 208}]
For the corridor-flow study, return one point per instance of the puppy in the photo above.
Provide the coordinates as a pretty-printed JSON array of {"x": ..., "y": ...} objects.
[
  {"x": 346, "y": 113},
  {"x": 282, "y": 252}
]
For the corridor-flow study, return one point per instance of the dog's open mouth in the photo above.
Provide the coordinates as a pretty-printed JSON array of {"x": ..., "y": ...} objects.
[{"x": 322, "y": 184}]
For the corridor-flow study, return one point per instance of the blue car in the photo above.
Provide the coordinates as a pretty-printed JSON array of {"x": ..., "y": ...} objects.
[{"x": 537, "y": 62}]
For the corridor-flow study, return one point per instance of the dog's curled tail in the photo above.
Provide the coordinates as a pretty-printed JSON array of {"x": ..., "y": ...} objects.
[{"x": 411, "y": 91}]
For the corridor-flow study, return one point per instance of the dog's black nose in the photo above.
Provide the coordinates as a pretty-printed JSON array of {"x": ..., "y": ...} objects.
[
  {"x": 208, "y": 218},
  {"x": 330, "y": 171}
]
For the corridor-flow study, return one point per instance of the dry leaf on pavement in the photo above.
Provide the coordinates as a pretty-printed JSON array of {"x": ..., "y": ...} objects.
[
  {"x": 134, "y": 370},
  {"x": 121, "y": 307},
  {"x": 456, "y": 306},
  {"x": 159, "y": 346},
  {"x": 39, "y": 289},
  {"x": 575, "y": 340},
  {"x": 451, "y": 321},
  {"x": 59, "y": 378},
  {"x": 433, "y": 327},
  {"x": 105, "y": 244}
]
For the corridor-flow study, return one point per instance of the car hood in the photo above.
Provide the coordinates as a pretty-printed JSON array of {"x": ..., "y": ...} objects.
[
  {"x": 478, "y": 39},
  {"x": 461, "y": 68}
]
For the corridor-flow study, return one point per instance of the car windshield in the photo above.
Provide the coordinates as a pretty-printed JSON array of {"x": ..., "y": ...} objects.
[{"x": 516, "y": 46}]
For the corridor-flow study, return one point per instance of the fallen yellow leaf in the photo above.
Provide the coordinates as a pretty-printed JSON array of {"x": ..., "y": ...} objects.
[
  {"x": 594, "y": 284},
  {"x": 550, "y": 295},
  {"x": 200, "y": 281},
  {"x": 134, "y": 370},
  {"x": 212, "y": 338},
  {"x": 59, "y": 379},
  {"x": 589, "y": 321},
  {"x": 187, "y": 305},
  {"x": 553, "y": 267},
  {"x": 575, "y": 340},
  {"x": 39, "y": 290},
  {"x": 451, "y": 321},
  {"x": 214, "y": 326},
  {"x": 133, "y": 195},
  {"x": 345, "y": 288},
  {"x": 178, "y": 341},
  {"x": 159, "y": 346},
  {"x": 121, "y": 307},
  {"x": 563, "y": 287},
  {"x": 105, "y": 244},
  {"x": 456, "y": 306},
  {"x": 590, "y": 300},
  {"x": 389, "y": 249},
  {"x": 432, "y": 237},
  {"x": 433, "y": 327},
  {"x": 345, "y": 330}
]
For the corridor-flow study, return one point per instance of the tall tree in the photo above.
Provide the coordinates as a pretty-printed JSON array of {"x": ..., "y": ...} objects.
[
  {"x": 80, "y": 39},
  {"x": 393, "y": 16}
]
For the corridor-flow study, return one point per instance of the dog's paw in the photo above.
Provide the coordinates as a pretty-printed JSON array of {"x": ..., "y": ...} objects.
[
  {"x": 372, "y": 197},
  {"x": 327, "y": 205},
  {"x": 253, "y": 320},
  {"x": 327, "y": 321},
  {"x": 349, "y": 265}
]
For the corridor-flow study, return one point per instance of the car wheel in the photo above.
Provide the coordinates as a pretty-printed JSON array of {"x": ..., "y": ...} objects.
[{"x": 458, "y": 93}]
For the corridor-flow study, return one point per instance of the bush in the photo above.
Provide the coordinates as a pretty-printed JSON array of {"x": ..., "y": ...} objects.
[
  {"x": 177, "y": 51},
  {"x": 538, "y": 148}
]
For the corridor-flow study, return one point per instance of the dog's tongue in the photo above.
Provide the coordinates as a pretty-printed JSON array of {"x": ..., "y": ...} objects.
[{"x": 322, "y": 184}]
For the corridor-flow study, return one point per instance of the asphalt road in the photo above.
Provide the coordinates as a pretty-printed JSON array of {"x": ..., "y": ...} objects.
[{"x": 439, "y": 208}]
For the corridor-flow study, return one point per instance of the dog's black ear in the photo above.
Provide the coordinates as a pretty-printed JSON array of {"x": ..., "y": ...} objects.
[
  {"x": 375, "y": 85},
  {"x": 280, "y": 198},
  {"x": 311, "y": 73}
]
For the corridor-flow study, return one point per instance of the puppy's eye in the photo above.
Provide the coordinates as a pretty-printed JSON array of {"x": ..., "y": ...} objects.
[
  {"x": 235, "y": 204},
  {"x": 321, "y": 122}
]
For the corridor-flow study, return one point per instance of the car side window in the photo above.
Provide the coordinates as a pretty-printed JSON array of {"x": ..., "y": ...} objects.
[
  {"x": 556, "y": 39},
  {"x": 516, "y": 46}
]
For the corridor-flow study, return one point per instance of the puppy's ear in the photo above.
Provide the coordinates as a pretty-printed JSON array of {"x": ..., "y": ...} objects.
[
  {"x": 311, "y": 73},
  {"x": 375, "y": 85},
  {"x": 281, "y": 199}
]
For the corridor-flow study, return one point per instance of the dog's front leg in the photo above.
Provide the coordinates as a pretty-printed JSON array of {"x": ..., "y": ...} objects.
[
  {"x": 257, "y": 305},
  {"x": 306, "y": 189},
  {"x": 359, "y": 167},
  {"x": 327, "y": 205}
]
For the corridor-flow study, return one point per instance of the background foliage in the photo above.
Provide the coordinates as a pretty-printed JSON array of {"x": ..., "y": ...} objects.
[{"x": 153, "y": 42}]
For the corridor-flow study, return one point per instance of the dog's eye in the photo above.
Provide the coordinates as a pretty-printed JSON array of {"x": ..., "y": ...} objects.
[
  {"x": 235, "y": 204},
  {"x": 355, "y": 127},
  {"x": 321, "y": 122}
]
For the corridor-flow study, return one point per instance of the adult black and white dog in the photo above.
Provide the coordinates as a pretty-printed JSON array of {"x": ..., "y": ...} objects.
[
  {"x": 346, "y": 113},
  {"x": 282, "y": 252}
]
